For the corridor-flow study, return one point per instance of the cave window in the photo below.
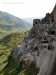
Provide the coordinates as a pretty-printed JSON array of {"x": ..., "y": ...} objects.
[
  {"x": 52, "y": 20},
  {"x": 36, "y": 22}
]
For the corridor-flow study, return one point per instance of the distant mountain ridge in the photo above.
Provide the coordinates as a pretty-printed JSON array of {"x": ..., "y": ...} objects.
[{"x": 8, "y": 21}]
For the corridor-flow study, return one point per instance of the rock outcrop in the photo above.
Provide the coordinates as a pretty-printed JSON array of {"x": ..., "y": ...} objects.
[
  {"x": 40, "y": 46},
  {"x": 50, "y": 17}
]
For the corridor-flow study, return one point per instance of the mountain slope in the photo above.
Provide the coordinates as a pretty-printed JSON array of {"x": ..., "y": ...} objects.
[
  {"x": 13, "y": 39},
  {"x": 7, "y": 44},
  {"x": 8, "y": 21}
]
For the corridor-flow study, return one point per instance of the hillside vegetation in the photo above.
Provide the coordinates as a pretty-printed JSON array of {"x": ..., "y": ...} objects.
[
  {"x": 10, "y": 22},
  {"x": 8, "y": 43},
  {"x": 12, "y": 33}
]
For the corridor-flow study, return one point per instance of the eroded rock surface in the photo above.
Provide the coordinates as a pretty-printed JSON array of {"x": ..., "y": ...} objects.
[{"x": 39, "y": 47}]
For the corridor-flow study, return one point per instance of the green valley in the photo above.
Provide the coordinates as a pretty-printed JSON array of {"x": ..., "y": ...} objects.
[{"x": 9, "y": 22}]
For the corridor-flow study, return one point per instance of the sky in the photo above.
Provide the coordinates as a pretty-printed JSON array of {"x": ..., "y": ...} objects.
[{"x": 27, "y": 8}]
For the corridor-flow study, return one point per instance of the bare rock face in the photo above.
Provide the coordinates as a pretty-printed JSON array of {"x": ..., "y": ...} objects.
[
  {"x": 39, "y": 47},
  {"x": 47, "y": 63},
  {"x": 54, "y": 14},
  {"x": 50, "y": 17}
]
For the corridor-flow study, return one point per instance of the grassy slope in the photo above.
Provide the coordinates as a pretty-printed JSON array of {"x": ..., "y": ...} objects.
[
  {"x": 4, "y": 33},
  {"x": 10, "y": 35},
  {"x": 8, "y": 43},
  {"x": 13, "y": 39},
  {"x": 15, "y": 66},
  {"x": 9, "y": 22}
]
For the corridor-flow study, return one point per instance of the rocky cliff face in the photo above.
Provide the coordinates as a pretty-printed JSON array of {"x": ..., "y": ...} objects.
[{"x": 39, "y": 48}]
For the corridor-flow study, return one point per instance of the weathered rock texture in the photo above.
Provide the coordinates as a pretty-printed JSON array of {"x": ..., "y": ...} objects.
[
  {"x": 54, "y": 14},
  {"x": 40, "y": 45},
  {"x": 50, "y": 17}
]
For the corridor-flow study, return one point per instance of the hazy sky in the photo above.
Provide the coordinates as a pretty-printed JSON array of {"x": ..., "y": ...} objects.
[{"x": 27, "y": 8}]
